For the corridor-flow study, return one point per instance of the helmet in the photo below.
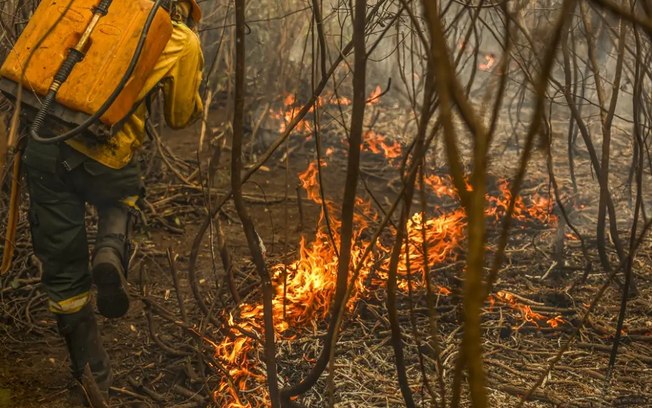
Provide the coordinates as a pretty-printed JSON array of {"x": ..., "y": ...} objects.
[
  {"x": 195, "y": 11},
  {"x": 187, "y": 11}
]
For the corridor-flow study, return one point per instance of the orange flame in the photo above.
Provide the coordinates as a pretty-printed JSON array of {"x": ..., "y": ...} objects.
[
  {"x": 374, "y": 97},
  {"x": 311, "y": 278},
  {"x": 379, "y": 144},
  {"x": 539, "y": 207},
  {"x": 526, "y": 311},
  {"x": 289, "y": 100},
  {"x": 291, "y": 109},
  {"x": 489, "y": 62}
]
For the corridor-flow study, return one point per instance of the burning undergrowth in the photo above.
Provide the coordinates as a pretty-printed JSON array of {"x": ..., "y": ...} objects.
[
  {"x": 305, "y": 286},
  {"x": 177, "y": 359}
]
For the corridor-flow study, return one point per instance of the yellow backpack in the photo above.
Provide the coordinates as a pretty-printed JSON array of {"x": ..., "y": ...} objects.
[{"x": 55, "y": 28}]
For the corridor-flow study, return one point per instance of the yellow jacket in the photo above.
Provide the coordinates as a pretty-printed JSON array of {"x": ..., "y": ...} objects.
[{"x": 179, "y": 69}]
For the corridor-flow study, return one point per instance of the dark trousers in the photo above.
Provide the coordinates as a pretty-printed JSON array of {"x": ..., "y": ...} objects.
[{"x": 60, "y": 183}]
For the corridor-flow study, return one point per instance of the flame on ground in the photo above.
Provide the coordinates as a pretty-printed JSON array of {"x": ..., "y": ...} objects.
[
  {"x": 310, "y": 280},
  {"x": 291, "y": 109},
  {"x": 526, "y": 311},
  {"x": 379, "y": 144}
]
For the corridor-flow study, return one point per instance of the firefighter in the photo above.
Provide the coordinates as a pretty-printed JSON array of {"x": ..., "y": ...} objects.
[{"x": 63, "y": 177}]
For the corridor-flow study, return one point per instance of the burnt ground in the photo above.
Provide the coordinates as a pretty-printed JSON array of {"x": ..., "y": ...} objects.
[{"x": 153, "y": 369}]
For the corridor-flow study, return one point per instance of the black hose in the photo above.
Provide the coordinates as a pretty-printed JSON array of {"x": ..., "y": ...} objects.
[
  {"x": 62, "y": 74},
  {"x": 103, "y": 7},
  {"x": 43, "y": 111}
]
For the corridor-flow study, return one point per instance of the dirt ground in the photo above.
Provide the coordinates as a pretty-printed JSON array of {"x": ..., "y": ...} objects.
[{"x": 33, "y": 366}]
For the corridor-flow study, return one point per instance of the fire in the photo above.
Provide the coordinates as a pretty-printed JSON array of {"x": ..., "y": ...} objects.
[
  {"x": 333, "y": 100},
  {"x": 287, "y": 116},
  {"x": 379, "y": 144},
  {"x": 308, "y": 180},
  {"x": 441, "y": 186},
  {"x": 289, "y": 100},
  {"x": 526, "y": 311},
  {"x": 489, "y": 62},
  {"x": 538, "y": 207},
  {"x": 311, "y": 278},
  {"x": 374, "y": 98},
  {"x": 571, "y": 236},
  {"x": 291, "y": 108},
  {"x": 555, "y": 321},
  {"x": 304, "y": 287}
]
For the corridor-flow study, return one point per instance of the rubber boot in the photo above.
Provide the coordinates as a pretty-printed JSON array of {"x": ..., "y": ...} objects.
[
  {"x": 109, "y": 263},
  {"x": 86, "y": 352}
]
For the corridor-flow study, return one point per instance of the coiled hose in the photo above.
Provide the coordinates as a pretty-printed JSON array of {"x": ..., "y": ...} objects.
[{"x": 66, "y": 68}]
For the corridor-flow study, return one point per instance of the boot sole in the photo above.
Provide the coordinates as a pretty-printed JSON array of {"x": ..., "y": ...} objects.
[{"x": 112, "y": 298}]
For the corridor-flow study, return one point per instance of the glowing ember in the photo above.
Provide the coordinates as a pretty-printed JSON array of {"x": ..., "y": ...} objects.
[{"x": 571, "y": 236}]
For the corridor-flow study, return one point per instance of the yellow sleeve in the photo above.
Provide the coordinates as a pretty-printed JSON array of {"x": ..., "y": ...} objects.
[{"x": 179, "y": 69}]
